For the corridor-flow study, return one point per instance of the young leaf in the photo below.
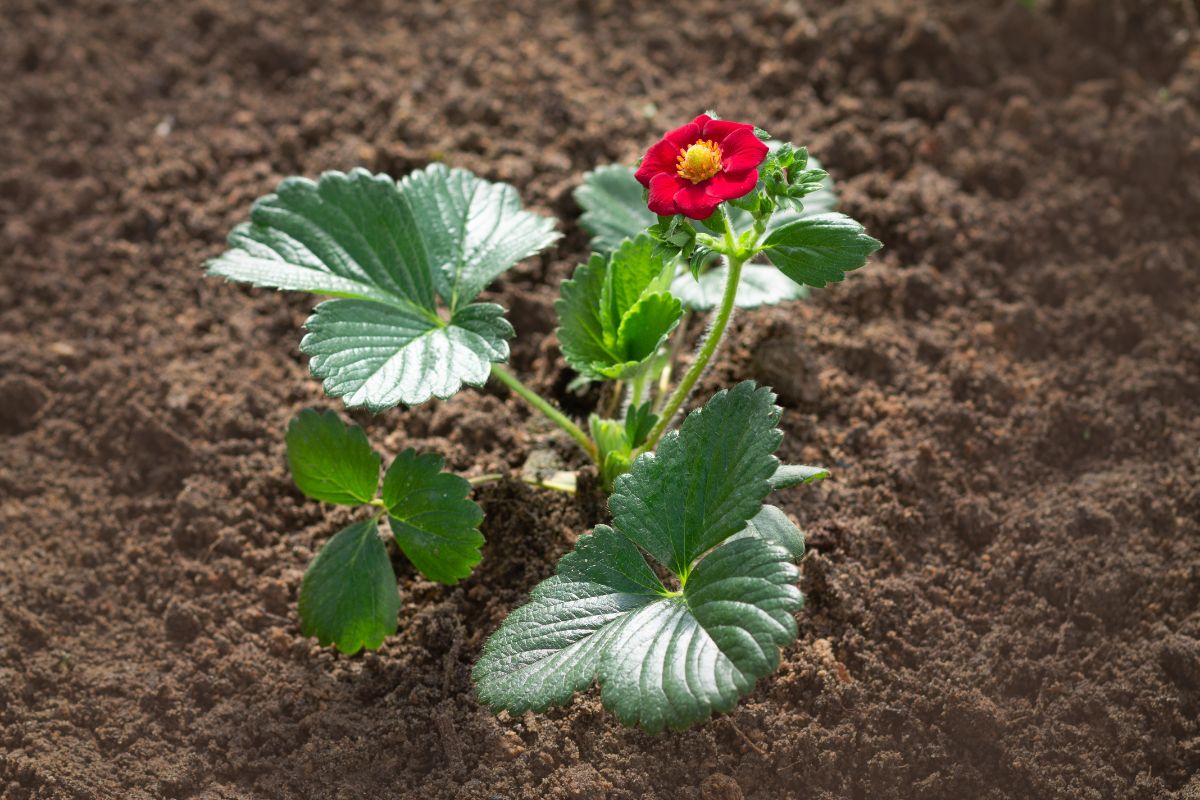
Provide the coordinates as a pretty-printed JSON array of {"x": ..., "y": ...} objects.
[
  {"x": 665, "y": 658},
  {"x": 613, "y": 206},
  {"x": 330, "y": 461},
  {"x": 614, "y": 312},
  {"x": 639, "y": 420},
  {"x": 819, "y": 250},
  {"x": 348, "y": 596},
  {"x": 390, "y": 249},
  {"x": 434, "y": 523},
  {"x": 797, "y": 475}
]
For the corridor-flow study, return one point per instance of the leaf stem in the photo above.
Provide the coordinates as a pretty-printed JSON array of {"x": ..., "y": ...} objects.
[
  {"x": 492, "y": 477},
  {"x": 553, "y": 414}
]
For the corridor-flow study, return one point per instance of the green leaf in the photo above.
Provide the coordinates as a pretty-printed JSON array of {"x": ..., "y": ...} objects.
[
  {"x": 390, "y": 249},
  {"x": 614, "y": 206},
  {"x": 549, "y": 648},
  {"x": 665, "y": 658},
  {"x": 331, "y": 461},
  {"x": 348, "y": 597},
  {"x": 379, "y": 356},
  {"x": 613, "y": 312},
  {"x": 774, "y": 526},
  {"x": 434, "y": 523},
  {"x": 675, "y": 661},
  {"x": 705, "y": 480},
  {"x": 761, "y": 285},
  {"x": 639, "y": 420},
  {"x": 797, "y": 475},
  {"x": 821, "y": 249}
]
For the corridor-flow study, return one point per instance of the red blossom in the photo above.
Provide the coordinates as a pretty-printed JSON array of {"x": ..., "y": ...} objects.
[{"x": 695, "y": 168}]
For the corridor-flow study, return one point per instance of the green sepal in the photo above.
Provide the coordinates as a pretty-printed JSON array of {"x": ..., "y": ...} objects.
[{"x": 348, "y": 597}]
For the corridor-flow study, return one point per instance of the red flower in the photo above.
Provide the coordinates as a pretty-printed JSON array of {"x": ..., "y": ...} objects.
[{"x": 694, "y": 169}]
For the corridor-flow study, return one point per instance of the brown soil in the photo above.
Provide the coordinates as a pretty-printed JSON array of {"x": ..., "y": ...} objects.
[{"x": 1004, "y": 601}]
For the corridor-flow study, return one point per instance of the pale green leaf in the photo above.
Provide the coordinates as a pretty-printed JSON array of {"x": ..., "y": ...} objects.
[
  {"x": 761, "y": 285},
  {"x": 390, "y": 249},
  {"x": 348, "y": 597},
  {"x": 432, "y": 519},
  {"x": 614, "y": 206},
  {"x": 331, "y": 461},
  {"x": 797, "y": 475}
]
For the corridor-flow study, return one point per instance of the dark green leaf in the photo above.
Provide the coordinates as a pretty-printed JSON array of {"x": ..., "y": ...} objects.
[
  {"x": 819, "y": 250},
  {"x": 391, "y": 249},
  {"x": 434, "y": 523},
  {"x": 675, "y": 661},
  {"x": 797, "y": 475},
  {"x": 331, "y": 461},
  {"x": 349, "y": 597},
  {"x": 639, "y": 420},
  {"x": 773, "y": 525},
  {"x": 705, "y": 480}
]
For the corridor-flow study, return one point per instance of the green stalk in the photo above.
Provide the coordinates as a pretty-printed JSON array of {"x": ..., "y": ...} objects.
[
  {"x": 557, "y": 417},
  {"x": 703, "y": 355}
]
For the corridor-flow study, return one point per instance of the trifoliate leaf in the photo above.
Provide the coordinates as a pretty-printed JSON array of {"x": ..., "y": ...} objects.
[
  {"x": 704, "y": 481},
  {"x": 614, "y": 312},
  {"x": 797, "y": 475},
  {"x": 391, "y": 249},
  {"x": 331, "y": 461},
  {"x": 665, "y": 658},
  {"x": 434, "y": 523},
  {"x": 613, "y": 205},
  {"x": 761, "y": 285},
  {"x": 819, "y": 250},
  {"x": 675, "y": 661},
  {"x": 348, "y": 597}
]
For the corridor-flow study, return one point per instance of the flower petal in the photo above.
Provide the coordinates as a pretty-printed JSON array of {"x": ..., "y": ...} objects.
[
  {"x": 683, "y": 136},
  {"x": 660, "y": 158},
  {"x": 730, "y": 186},
  {"x": 694, "y": 200},
  {"x": 721, "y": 129},
  {"x": 742, "y": 150},
  {"x": 664, "y": 188}
]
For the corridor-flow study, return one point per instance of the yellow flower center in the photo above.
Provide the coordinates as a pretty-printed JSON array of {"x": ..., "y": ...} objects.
[{"x": 700, "y": 161}]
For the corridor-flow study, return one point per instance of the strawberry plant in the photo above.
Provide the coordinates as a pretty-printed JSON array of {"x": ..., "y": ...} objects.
[{"x": 683, "y": 602}]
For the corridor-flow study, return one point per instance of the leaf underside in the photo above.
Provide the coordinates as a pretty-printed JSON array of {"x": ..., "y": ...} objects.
[
  {"x": 349, "y": 597},
  {"x": 388, "y": 250},
  {"x": 665, "y": 659},
  {"x": 432, "y": 519}
]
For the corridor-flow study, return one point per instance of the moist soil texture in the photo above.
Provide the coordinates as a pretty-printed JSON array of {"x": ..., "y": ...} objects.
[{"x": 1003, "y": 594}]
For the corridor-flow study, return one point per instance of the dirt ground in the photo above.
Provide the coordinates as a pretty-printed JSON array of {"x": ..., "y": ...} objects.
[{"x": 1004, "y": 601}]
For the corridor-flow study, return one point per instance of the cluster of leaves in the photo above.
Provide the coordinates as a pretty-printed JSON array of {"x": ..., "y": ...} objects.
[
  {"x": 667, "y": 655},
  {"x": 349, "y": 597},
  {"x": 404, "y": 263}
]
